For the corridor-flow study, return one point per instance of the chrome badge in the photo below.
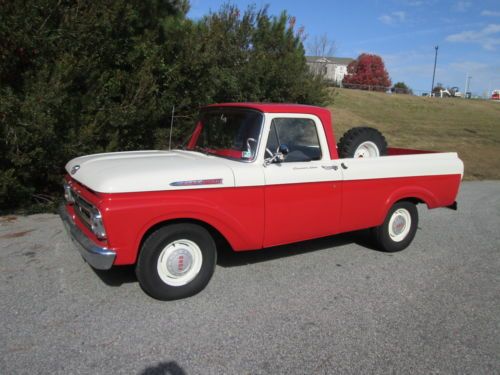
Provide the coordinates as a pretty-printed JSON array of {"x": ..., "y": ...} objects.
[
  {"x": 210, "y": 181},
  {"x": 75, "y": 169}
]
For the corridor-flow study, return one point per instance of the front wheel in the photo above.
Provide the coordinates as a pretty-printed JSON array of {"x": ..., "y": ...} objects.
[
  {"x": 176, "y": 261},
  {"x": 399, "y": 227}
]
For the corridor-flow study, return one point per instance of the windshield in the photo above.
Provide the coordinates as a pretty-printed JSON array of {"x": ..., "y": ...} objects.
[{"x": 229, "y": 132}]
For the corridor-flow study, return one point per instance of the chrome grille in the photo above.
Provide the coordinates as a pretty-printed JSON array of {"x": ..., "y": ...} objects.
[{"x": 83, "y": 209}]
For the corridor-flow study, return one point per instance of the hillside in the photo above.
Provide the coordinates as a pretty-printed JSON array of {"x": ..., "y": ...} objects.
[{"x": 470, "y": 127}]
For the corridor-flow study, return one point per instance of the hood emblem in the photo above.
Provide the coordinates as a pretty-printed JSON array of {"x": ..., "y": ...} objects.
[{"x": 74, "y": 169}]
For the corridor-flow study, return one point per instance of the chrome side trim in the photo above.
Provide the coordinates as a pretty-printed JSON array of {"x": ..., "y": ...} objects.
[
  {"x": 209, "y": 181},
  {"x": 98, "y": 257}
]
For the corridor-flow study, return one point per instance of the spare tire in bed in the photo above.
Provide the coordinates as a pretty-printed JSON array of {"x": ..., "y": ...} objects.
[{"x": 362, "y": 142}]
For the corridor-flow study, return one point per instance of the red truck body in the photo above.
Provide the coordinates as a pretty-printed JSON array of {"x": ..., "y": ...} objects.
[{"x": 261, "y": 205}]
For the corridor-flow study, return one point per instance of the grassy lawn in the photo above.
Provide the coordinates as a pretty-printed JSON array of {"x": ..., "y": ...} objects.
[{"x": 469, "y": 127}]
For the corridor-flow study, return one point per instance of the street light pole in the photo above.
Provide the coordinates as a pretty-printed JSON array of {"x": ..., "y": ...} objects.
[
  {"x": 434, "y": 73},
  {"x": 468, "y": 85},
  {"x": 465, "y": 85}
]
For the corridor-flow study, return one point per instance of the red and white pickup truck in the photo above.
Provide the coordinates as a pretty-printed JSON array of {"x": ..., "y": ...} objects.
[{"x": 256, "y": 176}]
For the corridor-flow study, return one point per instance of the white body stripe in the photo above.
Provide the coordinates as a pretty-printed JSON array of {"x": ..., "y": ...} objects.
[
  {"x": 402, "y": 166},
  {"x": 141, "y": 171}
]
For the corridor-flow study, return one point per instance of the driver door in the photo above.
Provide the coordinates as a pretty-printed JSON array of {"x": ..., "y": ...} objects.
[{"x": 302, "y": 192}]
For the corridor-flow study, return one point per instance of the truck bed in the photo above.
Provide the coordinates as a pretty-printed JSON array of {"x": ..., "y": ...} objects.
[{"x": 392, "y": 151}]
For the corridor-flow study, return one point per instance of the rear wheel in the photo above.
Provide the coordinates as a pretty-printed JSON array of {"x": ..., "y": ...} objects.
[
  {"x": 362, "y": 142},
  {"x": 176, "y": 261},
  {"x": 399, "y": 227}
]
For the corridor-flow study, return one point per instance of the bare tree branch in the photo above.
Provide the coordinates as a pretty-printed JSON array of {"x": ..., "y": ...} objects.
[{"x": 322, "y": 46}]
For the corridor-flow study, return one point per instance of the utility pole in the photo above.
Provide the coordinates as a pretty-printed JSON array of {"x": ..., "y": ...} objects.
[
  {"x": 434, "y": 73},
  {"x": 465, "y": 85},
  {"x": 468, "y": 86}
]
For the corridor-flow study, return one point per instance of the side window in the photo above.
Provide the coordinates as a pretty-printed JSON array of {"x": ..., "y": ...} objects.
[{"x": 299, "y": 134}]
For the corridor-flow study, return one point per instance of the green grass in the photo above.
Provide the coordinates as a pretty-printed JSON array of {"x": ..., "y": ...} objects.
[{"x": 469, "y": 127}]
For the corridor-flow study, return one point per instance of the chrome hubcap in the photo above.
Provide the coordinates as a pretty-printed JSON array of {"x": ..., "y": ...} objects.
[
  {"x": 179, "y": 262},
  {"x": 399, "y": 225}
]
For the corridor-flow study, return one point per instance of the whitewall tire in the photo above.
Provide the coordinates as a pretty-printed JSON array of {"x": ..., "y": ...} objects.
[
  {"x": 176, "y": 261},
  {"x": 398, "y": 229}
]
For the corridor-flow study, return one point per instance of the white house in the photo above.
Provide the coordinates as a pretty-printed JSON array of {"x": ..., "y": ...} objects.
[{"x": 333, "y": 69}]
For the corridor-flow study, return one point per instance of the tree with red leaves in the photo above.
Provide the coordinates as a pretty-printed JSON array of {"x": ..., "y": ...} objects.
[{"x": 367, "y": 72}]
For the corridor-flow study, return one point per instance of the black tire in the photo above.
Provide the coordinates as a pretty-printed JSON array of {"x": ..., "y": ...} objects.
[
  {"x": 382, "y": 234},
  {"x": 354, "y": 137},
  {"x": 157, "y": 243}
]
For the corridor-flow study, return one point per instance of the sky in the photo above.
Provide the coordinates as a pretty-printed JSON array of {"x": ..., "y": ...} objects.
[{"x": 404, "y": 33}]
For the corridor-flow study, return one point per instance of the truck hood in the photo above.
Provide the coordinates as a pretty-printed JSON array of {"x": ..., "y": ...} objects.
[{"x": 135, "y": 171}]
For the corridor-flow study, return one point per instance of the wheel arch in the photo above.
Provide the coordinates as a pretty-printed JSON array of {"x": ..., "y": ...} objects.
[
  {"x": 220, "y": 239},
  {"x": 413, "y": 194},
  {"x": 413, "y": 200}
]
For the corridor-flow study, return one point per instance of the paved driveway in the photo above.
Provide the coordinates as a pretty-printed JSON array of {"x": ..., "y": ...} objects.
[{"x": 326, "y": 306}]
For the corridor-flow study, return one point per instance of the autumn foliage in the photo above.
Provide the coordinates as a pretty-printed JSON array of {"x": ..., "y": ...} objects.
[{"x": 367, "y": 72}]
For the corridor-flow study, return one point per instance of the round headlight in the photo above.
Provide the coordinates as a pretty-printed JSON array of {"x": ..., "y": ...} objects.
[
  {"x": 68, "y": 195},
  {"x": 96, "y": 225}
]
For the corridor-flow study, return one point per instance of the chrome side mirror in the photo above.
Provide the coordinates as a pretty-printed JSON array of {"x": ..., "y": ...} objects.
[
  {"x": 283, "y": 149},
  {"x": 278, "y": 156}
]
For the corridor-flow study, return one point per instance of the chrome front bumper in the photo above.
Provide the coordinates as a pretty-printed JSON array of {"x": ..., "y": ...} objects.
[{"x": 98, "y": 257}]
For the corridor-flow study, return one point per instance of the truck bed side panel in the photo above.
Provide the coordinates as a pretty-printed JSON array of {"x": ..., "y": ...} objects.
[{"x": 366, "y": 202}]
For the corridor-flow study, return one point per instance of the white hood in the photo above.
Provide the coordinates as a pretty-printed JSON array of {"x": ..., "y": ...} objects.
[{"x": 135, "y": 171}]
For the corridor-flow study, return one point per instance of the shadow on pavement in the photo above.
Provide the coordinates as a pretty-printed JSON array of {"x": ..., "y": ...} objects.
[
  {"x": 229, "y": 258},
  {"x": 164, "y": 368},
  {"x": 120, "y": 275},
  {"x": 117, "y": 275}
]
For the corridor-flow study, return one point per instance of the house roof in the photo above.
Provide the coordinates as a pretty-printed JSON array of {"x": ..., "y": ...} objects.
[{"x": 329, "y": 60}]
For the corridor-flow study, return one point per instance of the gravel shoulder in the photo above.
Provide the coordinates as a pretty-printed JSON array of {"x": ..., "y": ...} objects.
[{"x": 331, "y": 305}]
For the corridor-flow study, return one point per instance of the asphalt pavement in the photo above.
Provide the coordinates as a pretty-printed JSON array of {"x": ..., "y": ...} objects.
[{"x": 327, "y": 306}]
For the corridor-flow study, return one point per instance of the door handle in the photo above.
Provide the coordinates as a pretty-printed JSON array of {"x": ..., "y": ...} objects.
[
  {"x": 343, "y": 166},
  {"x": 330, "y": 167}
]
